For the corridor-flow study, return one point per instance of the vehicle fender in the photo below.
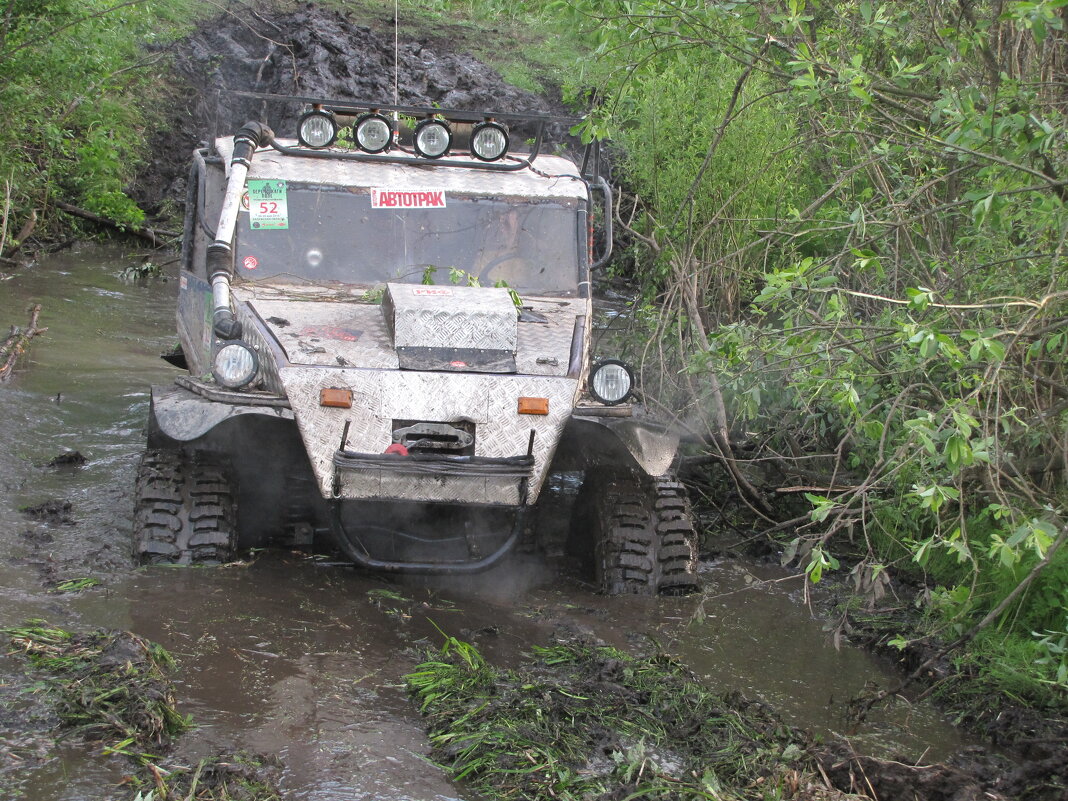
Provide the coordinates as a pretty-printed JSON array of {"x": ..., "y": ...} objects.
[
  {"x": 635, "y": 441},
  {"x": 183, "y": 415}
]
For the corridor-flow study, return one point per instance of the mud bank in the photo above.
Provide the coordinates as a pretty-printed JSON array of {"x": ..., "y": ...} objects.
[{"x": 310, "y": 52}]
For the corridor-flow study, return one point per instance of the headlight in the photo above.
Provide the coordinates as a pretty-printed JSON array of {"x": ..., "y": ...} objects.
[
  {"x": 317, "y": 129},
  {"x": 235, "y": 365},
  {"x": 611, "y": 381},
  {"x": 432, "y": 139},
  {"x": 374, "y": 133},
  {"x": 489, "y": 141}
]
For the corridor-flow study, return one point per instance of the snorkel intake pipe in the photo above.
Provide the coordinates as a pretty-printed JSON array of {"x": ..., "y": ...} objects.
[{"x": 221, "y": 252}]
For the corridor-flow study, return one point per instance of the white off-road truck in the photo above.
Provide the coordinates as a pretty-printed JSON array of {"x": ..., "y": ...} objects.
[{"x": 386, "y": 324}]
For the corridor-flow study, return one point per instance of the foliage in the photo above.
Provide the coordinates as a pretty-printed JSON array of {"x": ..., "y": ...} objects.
[
  {"x": 873, "y": 299},
  {"x": 583, "y": 722},
  {"x": 74, "y": 81}
]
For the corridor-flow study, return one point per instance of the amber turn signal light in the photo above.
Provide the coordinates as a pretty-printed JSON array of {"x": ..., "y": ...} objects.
[
  {"x": 533, "y": 405},
  {"x": 332, "y": 396}
]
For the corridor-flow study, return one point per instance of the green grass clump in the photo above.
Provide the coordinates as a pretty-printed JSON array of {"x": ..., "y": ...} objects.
[
  {"x": 110, "y": 685},
  {"x": 585, "y": 722}
]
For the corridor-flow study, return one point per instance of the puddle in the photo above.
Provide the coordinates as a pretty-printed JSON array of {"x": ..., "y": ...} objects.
[{"x": 289, "y": 657}]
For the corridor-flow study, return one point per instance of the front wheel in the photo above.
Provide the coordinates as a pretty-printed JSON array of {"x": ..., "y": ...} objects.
[
  {"x": 185, "y": 511},
  {"x": 643, "y": 539}
]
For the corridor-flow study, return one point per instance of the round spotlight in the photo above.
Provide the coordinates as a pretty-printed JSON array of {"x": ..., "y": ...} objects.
[
  {"x": 432, "y": 139},
  {"x": 235, "y": 364},
  {"x": 317, "y": 129},
  {"x": 611, "y": 382},
  {"x": 489, "y": 141},
  {"x": 374, "y": 133}
]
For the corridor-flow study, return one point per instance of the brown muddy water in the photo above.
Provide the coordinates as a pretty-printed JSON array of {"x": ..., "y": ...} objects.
[{"x": 296, "y": 656}]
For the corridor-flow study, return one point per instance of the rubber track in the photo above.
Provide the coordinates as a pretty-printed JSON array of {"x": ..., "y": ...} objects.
[
  {"x": 645, "y": 541},
  {"x": 184, "y": 511}
]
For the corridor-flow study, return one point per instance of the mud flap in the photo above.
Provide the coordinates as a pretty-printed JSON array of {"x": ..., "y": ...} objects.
[
  {"x": 182, "y": 415},
  {"x": 612, "y": 441}
]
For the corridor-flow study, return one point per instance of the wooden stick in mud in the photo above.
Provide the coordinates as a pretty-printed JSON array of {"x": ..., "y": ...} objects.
[
  {"x": 16, "y": 342},
  {"x": 146, "y": 234}
]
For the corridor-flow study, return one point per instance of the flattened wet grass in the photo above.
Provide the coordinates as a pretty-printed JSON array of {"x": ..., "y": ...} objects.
[
  {"x": 579, "y": 721},
  {"x": 229, "y": 777},
  {"x": 108, "y": 685}
]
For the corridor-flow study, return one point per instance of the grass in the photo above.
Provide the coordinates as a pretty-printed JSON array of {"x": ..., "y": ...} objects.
[
  {"x": 75, "y": 585},
  {"x": 585, "y": 722},
  {"x": 237, "y": 777},
  {"x": 107, "y": 685}
]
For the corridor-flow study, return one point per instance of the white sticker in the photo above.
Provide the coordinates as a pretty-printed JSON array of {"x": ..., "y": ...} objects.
[
  {"x": 269, "y": 206},
  {"x": 396, "y": 199}
]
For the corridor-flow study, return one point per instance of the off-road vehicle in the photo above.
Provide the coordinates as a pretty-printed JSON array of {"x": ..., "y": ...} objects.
[{"x": 387, "y": 327}]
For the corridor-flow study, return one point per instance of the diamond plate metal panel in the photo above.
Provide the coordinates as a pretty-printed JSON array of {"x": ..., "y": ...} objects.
[
  {"x": 267, "y": 351},
  {"x": 342, "y": 332},
  {"x": 330, "y": 333},
  {"x": 555, "y": 176},
  {"x": 545, "y": 348},
  {"x": 481, "y": 318},
  {"x": 380, "y": 396},
  {"x": 428, "y": 488}
]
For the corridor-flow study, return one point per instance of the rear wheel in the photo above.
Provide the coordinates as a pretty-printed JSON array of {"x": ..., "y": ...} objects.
[
  {"x": 643, "y": 540},
  {"x": 185, "y": 511}
]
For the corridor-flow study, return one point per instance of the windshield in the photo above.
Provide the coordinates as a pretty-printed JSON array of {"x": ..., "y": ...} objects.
[{"x": 316, "y": 233}]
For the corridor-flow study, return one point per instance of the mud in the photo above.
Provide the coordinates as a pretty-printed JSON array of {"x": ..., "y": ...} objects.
[
  {"x": 69, "y": 459},
  {"x": 53, "y": 512},
  {"x": 297, "y": 657}
]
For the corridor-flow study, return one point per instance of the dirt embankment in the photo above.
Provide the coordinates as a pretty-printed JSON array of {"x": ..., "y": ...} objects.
[{"x": 307, "y": 52}]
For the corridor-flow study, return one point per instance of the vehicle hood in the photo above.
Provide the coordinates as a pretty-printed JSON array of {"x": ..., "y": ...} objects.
[{"x": 464, "y": 329}]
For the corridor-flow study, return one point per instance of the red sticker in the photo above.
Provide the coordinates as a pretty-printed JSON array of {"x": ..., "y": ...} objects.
[
  {"x": 393, "y": 199},
  {"x": 431, "y": 290},
  {"x": 457, "y": 364},
  {"x": 251, "y": 263}
]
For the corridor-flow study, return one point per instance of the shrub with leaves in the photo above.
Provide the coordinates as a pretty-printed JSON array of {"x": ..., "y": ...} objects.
[{"x": 74, "y": 81}]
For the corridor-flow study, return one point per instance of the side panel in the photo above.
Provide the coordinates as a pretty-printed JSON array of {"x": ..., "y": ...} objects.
[
  {"x": 194, "y": 322},
  {"x": 194, "y": 291}
]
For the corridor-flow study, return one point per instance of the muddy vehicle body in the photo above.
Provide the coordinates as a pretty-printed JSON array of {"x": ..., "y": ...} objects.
[{"x": 387, "y": 327}]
